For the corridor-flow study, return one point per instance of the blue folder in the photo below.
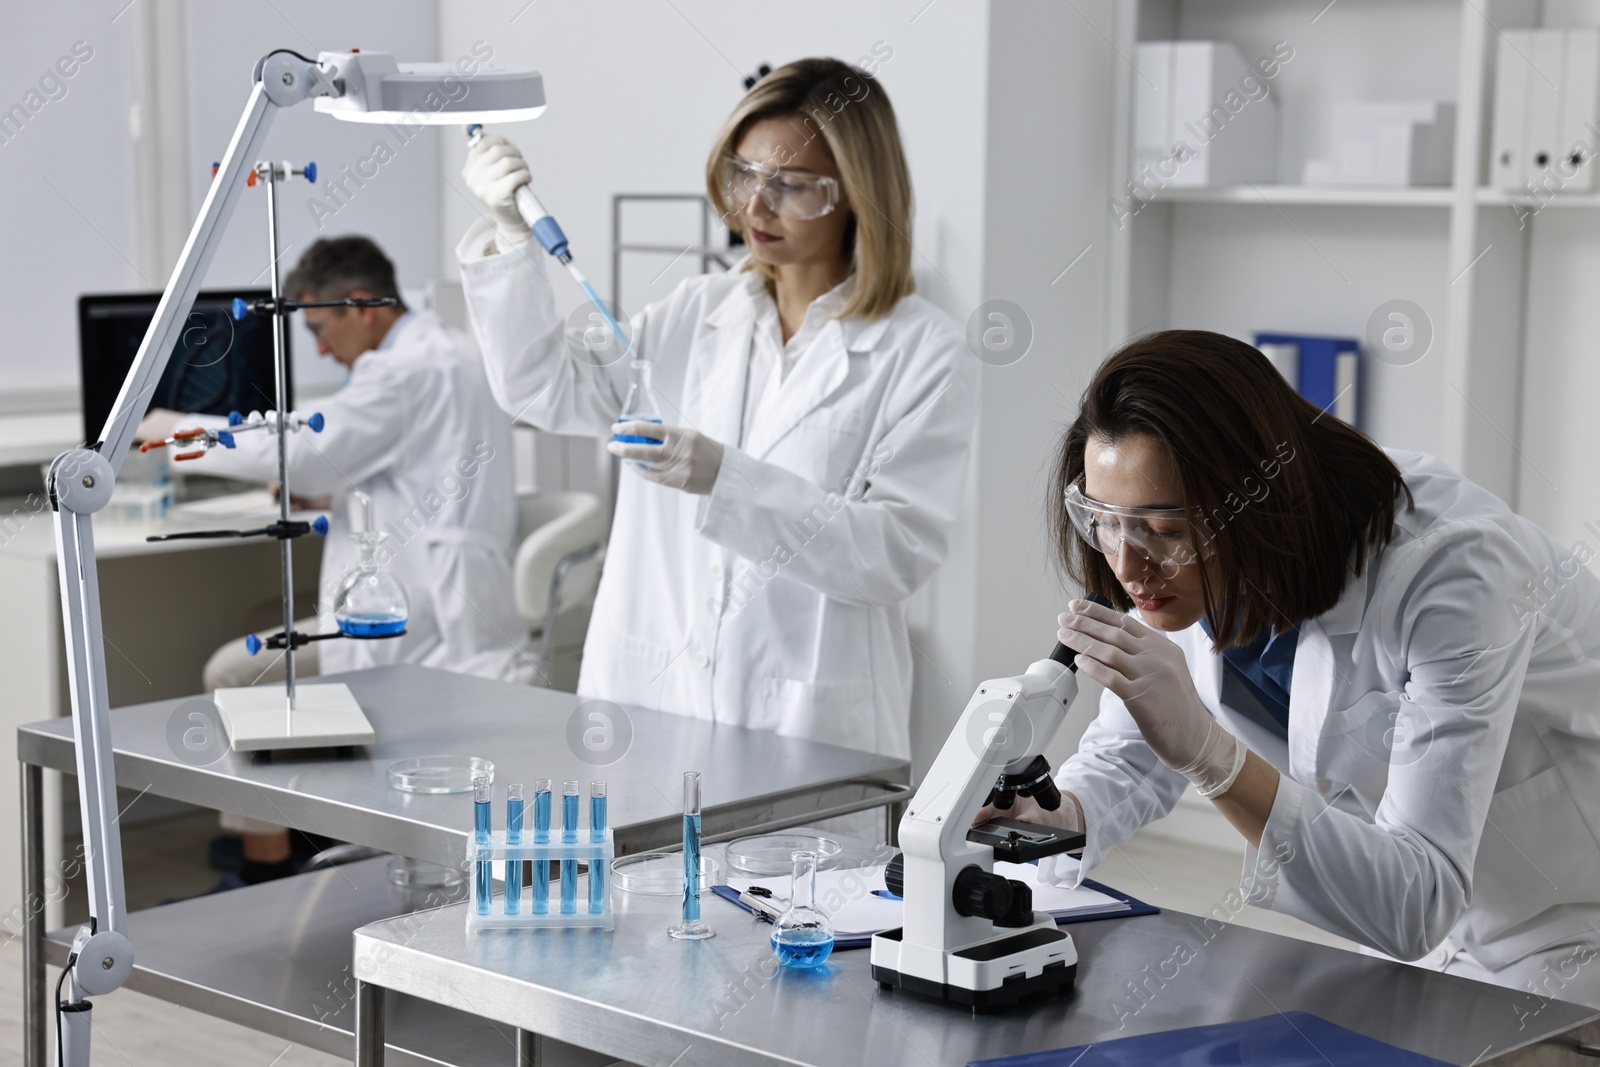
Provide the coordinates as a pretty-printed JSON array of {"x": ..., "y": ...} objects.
[
  {"x": 1288, "y": 1039},
  {"x": 1137, "y": 907}
]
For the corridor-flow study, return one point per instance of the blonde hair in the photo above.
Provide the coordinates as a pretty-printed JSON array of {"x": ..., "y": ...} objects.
[{"x": 849, "y": 110}]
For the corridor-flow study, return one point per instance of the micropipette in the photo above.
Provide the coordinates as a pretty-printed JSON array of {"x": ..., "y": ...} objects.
[{"x": 548, "y": 232}]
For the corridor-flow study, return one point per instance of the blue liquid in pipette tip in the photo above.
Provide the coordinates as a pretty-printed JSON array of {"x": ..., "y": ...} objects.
[
  {"x": 597, "y": 865},
  {"x": 600, "y": 306},
  {"x": 485, "y": 869},
  {"x": 385, "y": 625},
  {"x": 514, "y": 866},
  {"x": 691, "y": 868},
  {"x": 802, "y": 947},
  {"x": 541, "y": 867},
  {"x": 569, "y": 867}
]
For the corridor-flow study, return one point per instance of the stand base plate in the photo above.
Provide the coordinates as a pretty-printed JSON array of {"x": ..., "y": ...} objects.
[{"x": 325, "y": 716}]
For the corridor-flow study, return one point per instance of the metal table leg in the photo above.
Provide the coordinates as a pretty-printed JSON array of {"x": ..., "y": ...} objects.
[
  {"x": 369, "y": 1024},
  {"x": 35, "y": 1009},
  {"x": 530, "y": 1050}
]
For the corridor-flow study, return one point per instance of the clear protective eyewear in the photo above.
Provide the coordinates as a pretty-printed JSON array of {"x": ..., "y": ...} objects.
[
  {"x": 1164, "y": 536},
  {"x": 787, "y": 195}
]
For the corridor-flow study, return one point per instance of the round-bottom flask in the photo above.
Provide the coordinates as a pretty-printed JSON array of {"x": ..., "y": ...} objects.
[
  {"x": 370, "y": 602},
  {"x": 803, "y": 936}
]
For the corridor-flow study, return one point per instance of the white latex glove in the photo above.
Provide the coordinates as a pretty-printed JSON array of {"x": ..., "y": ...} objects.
[
  {"x": 1149, "y": 673},
  {"x": 685, "y": 459},
  {"x": 494, "y": 171},
  {"x": 157, "y": 425}
]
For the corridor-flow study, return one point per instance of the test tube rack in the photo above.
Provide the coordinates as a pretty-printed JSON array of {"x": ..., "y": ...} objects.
[{"x": 596, "y": 855}]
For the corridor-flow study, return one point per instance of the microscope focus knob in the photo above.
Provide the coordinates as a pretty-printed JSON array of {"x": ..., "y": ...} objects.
[{"x": 979, "y": 892}]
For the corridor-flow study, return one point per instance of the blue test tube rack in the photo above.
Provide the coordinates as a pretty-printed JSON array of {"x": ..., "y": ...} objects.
[{"x": 594, "y": 851}]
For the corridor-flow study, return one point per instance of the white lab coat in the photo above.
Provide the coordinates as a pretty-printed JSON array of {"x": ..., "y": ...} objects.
[
  {"x": 778, "y": 601},
  {"x": 1442, "y": 769},
  {"x": 416, "y": 429}
]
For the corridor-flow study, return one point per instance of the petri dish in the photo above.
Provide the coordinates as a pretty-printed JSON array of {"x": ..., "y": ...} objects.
[
  {"x": 660, "y": 874},
  {"x": 416, "y": 874},
  {"x": 771, "y": 855},
  {"x": 438, "y": 774}
]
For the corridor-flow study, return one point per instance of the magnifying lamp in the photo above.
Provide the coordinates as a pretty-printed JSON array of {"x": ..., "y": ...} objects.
[{"x": 355, "y": 86}]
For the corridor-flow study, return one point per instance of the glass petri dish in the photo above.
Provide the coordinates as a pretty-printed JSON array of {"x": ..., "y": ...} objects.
[
  {"x": 660, "y": 874},
  {"x": 771, "y": 855},
  {"x": 415, "y": 874},
  {"x": 438, "y": 774}
]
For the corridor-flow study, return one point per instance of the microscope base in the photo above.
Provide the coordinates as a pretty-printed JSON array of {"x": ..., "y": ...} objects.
[
  {"x": 325, "y": 716},
  {"x": 1040, "y": 959}
]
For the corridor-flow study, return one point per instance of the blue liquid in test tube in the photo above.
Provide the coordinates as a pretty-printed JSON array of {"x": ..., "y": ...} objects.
[
  {"x": 691, "y": 867},
  {"x": 692, "y": 928},
  {"x": 541, "y": 836},
  {"x": 483, "y": 869},
  {"x": 597, "y": 836},
  {"x": 514, "y": 837},
  {"x": 569, "y": 835}
]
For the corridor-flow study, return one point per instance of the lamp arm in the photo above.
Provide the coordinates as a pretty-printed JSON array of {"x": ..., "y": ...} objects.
[{"x": 80, "y": 483}]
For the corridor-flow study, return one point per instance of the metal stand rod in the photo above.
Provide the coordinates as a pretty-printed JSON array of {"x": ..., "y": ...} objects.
[
  {"x": 530, "y": 1049},
  {"x": 280, "y": 371}
]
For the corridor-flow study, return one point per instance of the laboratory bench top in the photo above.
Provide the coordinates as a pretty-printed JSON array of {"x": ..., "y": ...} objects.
[
  {"x": 752, "y": 777},
  {"x": 270, "y": 957},
  {"x": 637, "y": 994}
]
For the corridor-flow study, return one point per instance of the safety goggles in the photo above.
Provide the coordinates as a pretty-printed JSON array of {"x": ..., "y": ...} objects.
[
  {"x": 1165, "y": 536},
  {"x": 786, "y": 194}
]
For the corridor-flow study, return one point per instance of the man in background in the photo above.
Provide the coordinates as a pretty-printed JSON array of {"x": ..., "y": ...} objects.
[{"x": 414, "y": 428}]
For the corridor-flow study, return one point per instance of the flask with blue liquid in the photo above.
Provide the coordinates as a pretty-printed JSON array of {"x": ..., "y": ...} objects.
[
  {"x": 803, "y": 936},
  {"x": 370, "y": 601},
  {"x": 640, "y": 405}
]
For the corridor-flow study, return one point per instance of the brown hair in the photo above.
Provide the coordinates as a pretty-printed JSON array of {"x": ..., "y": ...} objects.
[
  {"x": 849, "y": 110},
  {"x": 1288, "y": 496}
]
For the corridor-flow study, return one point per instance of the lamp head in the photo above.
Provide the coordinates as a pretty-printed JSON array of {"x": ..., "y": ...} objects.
[{"x": 374, "y": 88}]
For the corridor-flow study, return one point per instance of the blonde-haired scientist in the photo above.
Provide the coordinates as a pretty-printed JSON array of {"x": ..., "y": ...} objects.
[{"x": 817, "y": 421}]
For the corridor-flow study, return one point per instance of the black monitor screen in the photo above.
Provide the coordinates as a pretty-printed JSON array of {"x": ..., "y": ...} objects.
[{"x": 217, "y": 366}]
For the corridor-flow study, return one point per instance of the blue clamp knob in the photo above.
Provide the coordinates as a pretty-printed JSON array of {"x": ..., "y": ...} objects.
[
  {"x": 235, "y": 418},
  {"x": 252, "y": 644},
  {"x": 316, "y": 422},
  {"x": 320, "y": 525},
  {"x": 241, "y": 308},
  {"x": 548, "y": 231},
  {"x": 311, "y": 173},
  {"x": 225, "y": 439}
]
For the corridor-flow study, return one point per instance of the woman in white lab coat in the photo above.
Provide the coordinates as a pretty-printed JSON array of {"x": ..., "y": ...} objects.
[
  {"x": 1385, "y": 679},
  {"x": 817, "y": 416}
]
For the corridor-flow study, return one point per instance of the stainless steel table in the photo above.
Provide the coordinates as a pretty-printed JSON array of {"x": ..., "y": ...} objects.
[
  {"x": 754, "y": 779},
  {"x": 638, "y": 995}
]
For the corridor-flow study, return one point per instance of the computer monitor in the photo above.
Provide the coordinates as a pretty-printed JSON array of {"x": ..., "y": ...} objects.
[{"x": 217, "y": 366}]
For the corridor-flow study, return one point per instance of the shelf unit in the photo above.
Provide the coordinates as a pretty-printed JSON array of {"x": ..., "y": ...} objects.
[{"x": 1281, "y": 256}]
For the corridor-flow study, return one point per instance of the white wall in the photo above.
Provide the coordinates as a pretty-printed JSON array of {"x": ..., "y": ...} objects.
[{"x": 66, "y": 206}]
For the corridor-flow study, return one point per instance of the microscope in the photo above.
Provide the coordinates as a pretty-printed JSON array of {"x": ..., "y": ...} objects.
[{"x": 971, "y": 936}]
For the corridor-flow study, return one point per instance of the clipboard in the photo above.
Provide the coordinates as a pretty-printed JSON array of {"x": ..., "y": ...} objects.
[{"x": 1136, "y": 907}]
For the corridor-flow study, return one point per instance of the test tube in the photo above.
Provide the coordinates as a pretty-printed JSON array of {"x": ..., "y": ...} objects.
[
  {"x": 541, "y": 836},
  {"x": 597, "y": 835},
  {"x": 692, "y": 928},
  {"x": 484, "y": 869},
  {"x": 569, "y": 835},
  {"x": 513, "y": 861}
]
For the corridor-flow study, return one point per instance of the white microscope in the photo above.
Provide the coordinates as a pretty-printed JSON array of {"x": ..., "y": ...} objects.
[{"x": 971, "y": 936}]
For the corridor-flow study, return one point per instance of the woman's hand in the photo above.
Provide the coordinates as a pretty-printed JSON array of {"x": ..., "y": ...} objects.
[
  {"x": 1148, "y": 672},
  {"x": 1069, "y": 816},
  {"x": 685, "y": 459}
]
